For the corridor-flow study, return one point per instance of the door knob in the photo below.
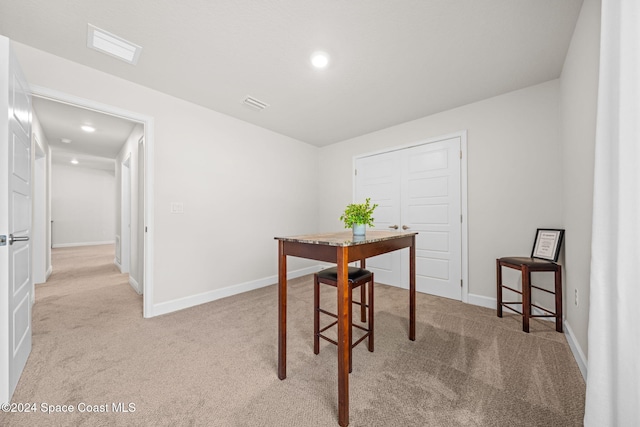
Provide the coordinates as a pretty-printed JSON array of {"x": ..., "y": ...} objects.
[
  {"x": 13, "y": 238},
  {"x": 395, "y": 227},
  {"x": 404, "y": 227}
]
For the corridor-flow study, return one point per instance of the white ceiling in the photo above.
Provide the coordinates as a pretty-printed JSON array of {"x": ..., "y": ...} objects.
[
  {"x": 96, "y": 150},
  {"x": 391, "y": 61}
]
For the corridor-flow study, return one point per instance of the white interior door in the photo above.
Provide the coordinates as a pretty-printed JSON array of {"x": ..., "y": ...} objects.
[
  {"x": 431, "y": 206},
  {"x": 378, "y": 177},
  {"x": 15, "y": 222},
  {"x": 418, "y": 189}
]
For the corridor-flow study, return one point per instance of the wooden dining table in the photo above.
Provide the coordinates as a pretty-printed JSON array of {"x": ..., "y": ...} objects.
[{"x": 340, "y": 248}]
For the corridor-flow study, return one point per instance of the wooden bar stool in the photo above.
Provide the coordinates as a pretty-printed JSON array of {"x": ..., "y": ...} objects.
[
  {"x": 357, "y": 278},
  {"x": 545, "y": 252},
  {"x": 526, "y": 266}
]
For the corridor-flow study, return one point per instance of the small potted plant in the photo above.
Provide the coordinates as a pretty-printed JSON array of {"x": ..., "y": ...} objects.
[{"x": 358, "y": 216}]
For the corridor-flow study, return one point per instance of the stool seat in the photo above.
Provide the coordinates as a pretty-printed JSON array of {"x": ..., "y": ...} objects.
[
  {"x": 534, "y": 264},
  {"x": 357, "y": 277},
  {"x": 526, "y": 267},
  {"x": 355, "y": 274}
]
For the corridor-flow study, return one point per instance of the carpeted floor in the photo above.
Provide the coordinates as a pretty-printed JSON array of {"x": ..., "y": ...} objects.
[{"x": 215, "y": 364}]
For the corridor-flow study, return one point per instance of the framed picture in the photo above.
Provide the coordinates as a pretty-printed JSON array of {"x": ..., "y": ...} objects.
[{"x": 547, "y": 244}]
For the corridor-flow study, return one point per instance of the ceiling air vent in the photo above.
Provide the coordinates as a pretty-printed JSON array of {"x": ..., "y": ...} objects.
[
  {"x": 112, "y": 45},
  {"x": 254, "y": 103}
]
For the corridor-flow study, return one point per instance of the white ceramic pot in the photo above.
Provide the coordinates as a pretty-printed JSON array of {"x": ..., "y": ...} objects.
[{"x": 359, "y": 229}]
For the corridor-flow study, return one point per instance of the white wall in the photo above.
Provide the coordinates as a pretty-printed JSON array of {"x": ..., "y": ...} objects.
[
  {"x": 241, "y": 185},
  {"x": 130, "y": 150},
  {"x": 82, "y": 205},
  {"x": 579, "y": 92},
  {"x": 514, "y": 174}
]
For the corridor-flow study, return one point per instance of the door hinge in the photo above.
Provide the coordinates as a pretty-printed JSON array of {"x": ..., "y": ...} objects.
[
  {"x": 3, "y": 240},
  {"x": 460, "y": 282},
  {"x": 460, "y": 153},
  {"x": 355, "y": 172},
  {"x": 460, "y": 219}
]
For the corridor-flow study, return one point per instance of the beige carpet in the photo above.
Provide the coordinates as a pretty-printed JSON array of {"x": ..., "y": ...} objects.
[{"x": 215, "y": 364}]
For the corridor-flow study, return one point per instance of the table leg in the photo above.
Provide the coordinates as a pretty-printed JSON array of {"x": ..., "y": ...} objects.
[
  {"x": 344, "y": 332},
  {"x": 412, "y": 289},
  {"x": 282, "y": 312},
  {"x": 363, "y": 297}
]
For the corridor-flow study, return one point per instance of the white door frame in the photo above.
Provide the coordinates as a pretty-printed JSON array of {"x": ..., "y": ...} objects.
[
  {"x": 148, "y": 123},
  {"x": 39, "y": 238},
  {"x": 125, "y": 215},
  {"x": 463, "y": 195}
]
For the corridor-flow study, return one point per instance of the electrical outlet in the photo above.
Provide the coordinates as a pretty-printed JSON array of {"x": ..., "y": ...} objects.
[
  {"x": 576, "y": 297},
  {"x": 177, "y": 207}
]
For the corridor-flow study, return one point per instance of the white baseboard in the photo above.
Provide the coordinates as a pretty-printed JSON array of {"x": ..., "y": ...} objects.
[
  {"x": 205, "y": 297},
  {"x": 482, "y": 301},
  {"x": 135, "y": 285},
  {"x": 48, "y": 273},
  {"x": 117, "y": 264},
  {"x": 71, "y": 245},
  {"x": 578, "y": 354}
]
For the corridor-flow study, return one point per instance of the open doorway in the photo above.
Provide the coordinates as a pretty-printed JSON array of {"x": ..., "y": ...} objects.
[{"x": 128, "y": 172}]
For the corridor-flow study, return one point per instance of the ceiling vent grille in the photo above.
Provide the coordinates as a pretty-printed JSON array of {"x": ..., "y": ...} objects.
[
  {"x": 254, "y": 103},
  {"x": 112, "y": 45}
]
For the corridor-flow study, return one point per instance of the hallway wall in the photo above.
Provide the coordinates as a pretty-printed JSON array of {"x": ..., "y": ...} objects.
[{"x": 82, "y": 206}]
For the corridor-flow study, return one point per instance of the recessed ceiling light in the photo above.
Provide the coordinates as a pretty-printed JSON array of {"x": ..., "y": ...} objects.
[
  {"x": 74, "y": 161},
  {"x": 320, "y": 59},
  {"x": 65, "y": 140},
  {"x": 88, "y": 128},
  {"x": 113, "y": 45}
]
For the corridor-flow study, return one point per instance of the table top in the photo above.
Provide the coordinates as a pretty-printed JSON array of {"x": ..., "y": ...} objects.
[{"x": 346, "y": 238}]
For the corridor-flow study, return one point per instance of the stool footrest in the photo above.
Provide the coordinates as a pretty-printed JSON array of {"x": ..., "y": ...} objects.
[
  {"x": 543, "y": 289},
  {"x": 352, "y": 345},
  {"x": 360, "y": 340},
  {"x": 327, "y": 313},
  {"x": 512, "y": 290},
  {"x": 328, "y": 339},
  {"x": 504, "y": 304},
  {"x": 328, "y": 326}
]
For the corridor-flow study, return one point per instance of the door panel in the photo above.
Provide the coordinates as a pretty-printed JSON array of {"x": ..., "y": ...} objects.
[
  {"x": 418, "y": 187},
  {"x": 377, "y": 178},
  {"x": 20, "y": 262},
  {"x": 21, "y": 325},
  {"x": 431, "y": 206}
]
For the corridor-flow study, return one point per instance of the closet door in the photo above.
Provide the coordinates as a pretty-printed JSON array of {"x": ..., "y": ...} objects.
[
  {"x": 417, "y": 189},
  {"x": 431, "y": 205},
  {"x": 378, "y": 177}
]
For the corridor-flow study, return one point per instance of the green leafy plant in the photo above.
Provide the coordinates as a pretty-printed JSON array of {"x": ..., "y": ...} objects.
[{"x": 358, "y": 213}]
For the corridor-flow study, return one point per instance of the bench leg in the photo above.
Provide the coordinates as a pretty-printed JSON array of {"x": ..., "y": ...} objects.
[
  {"x": 371, "y": 314},
  {"x": 558, "y": 282},
  {"x": 499, "y": 290},
  {"x": 351, "y": 327},
  {"x": 526, "y": 297}
]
